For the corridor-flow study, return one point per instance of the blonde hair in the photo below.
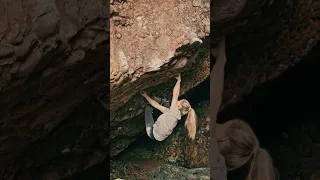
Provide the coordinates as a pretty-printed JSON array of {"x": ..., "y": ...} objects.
[
  {"x": 191, "y": 122},
  {"x": 242, "y": 146}
]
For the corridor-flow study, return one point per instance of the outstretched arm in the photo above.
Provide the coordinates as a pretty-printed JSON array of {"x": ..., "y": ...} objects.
[
  {"x": 217, "y": 81},
  {"x": 153, "y": 103},
  {"x": 176, "y": 91}
]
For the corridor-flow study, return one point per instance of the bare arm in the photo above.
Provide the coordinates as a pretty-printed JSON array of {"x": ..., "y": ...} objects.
[
  {"x": 176, "y": 91},
  {"x": 153, "y": 103},
  {"x": 217, "y": 82}
]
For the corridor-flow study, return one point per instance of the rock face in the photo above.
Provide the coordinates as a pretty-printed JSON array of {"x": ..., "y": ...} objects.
[
  {"x": 264, "y": 39},
  {"x": 53, "y": 55},
  {"x": 151, "y": 42},
  {"x": 172, "y": 172}
]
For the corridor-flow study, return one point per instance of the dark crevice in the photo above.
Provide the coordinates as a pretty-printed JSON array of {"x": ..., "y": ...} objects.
[{"x": 283, "y": 113}]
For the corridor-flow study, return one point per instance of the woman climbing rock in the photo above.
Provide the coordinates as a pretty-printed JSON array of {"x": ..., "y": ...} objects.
[
  {"x": 170, "y": 116},
  {"x": 233, "y": 144}
]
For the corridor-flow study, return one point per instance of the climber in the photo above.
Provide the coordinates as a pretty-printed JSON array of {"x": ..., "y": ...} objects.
[
  {"x": 170, "y": 116},
  {"x": 233, "y": 144}
]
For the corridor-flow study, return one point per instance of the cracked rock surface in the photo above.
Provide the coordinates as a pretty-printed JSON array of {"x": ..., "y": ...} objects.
[{"x": 52, "y": 57}]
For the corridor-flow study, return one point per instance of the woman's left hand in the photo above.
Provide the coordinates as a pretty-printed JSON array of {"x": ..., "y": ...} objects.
[
  {"x": 220, "y": 49},
  {"x": 143, "y": 93}
]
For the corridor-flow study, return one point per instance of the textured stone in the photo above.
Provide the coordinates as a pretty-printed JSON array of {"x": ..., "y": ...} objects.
[
  {"x": 23, "y": 49},
  {"x": 6, "y": 50},
  {"x": 40, "y": 87},
  {"x": 172, "y": 172}
]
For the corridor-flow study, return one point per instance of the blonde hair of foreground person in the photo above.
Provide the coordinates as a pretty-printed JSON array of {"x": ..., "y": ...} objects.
[{"x": 237, "y": 142}]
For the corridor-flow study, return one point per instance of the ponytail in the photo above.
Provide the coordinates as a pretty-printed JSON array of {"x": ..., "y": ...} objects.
[
  {"x": 191, "y": 123},
  {"x": 243, "y": 146},
  {"x": 262, "y": 167}
]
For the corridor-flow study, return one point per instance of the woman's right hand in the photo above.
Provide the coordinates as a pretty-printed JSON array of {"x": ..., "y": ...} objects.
[
  {"x": 178, "y": 77},
  {"x": 143, "y": 93},
  {"x": 220, "y": 49}
]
